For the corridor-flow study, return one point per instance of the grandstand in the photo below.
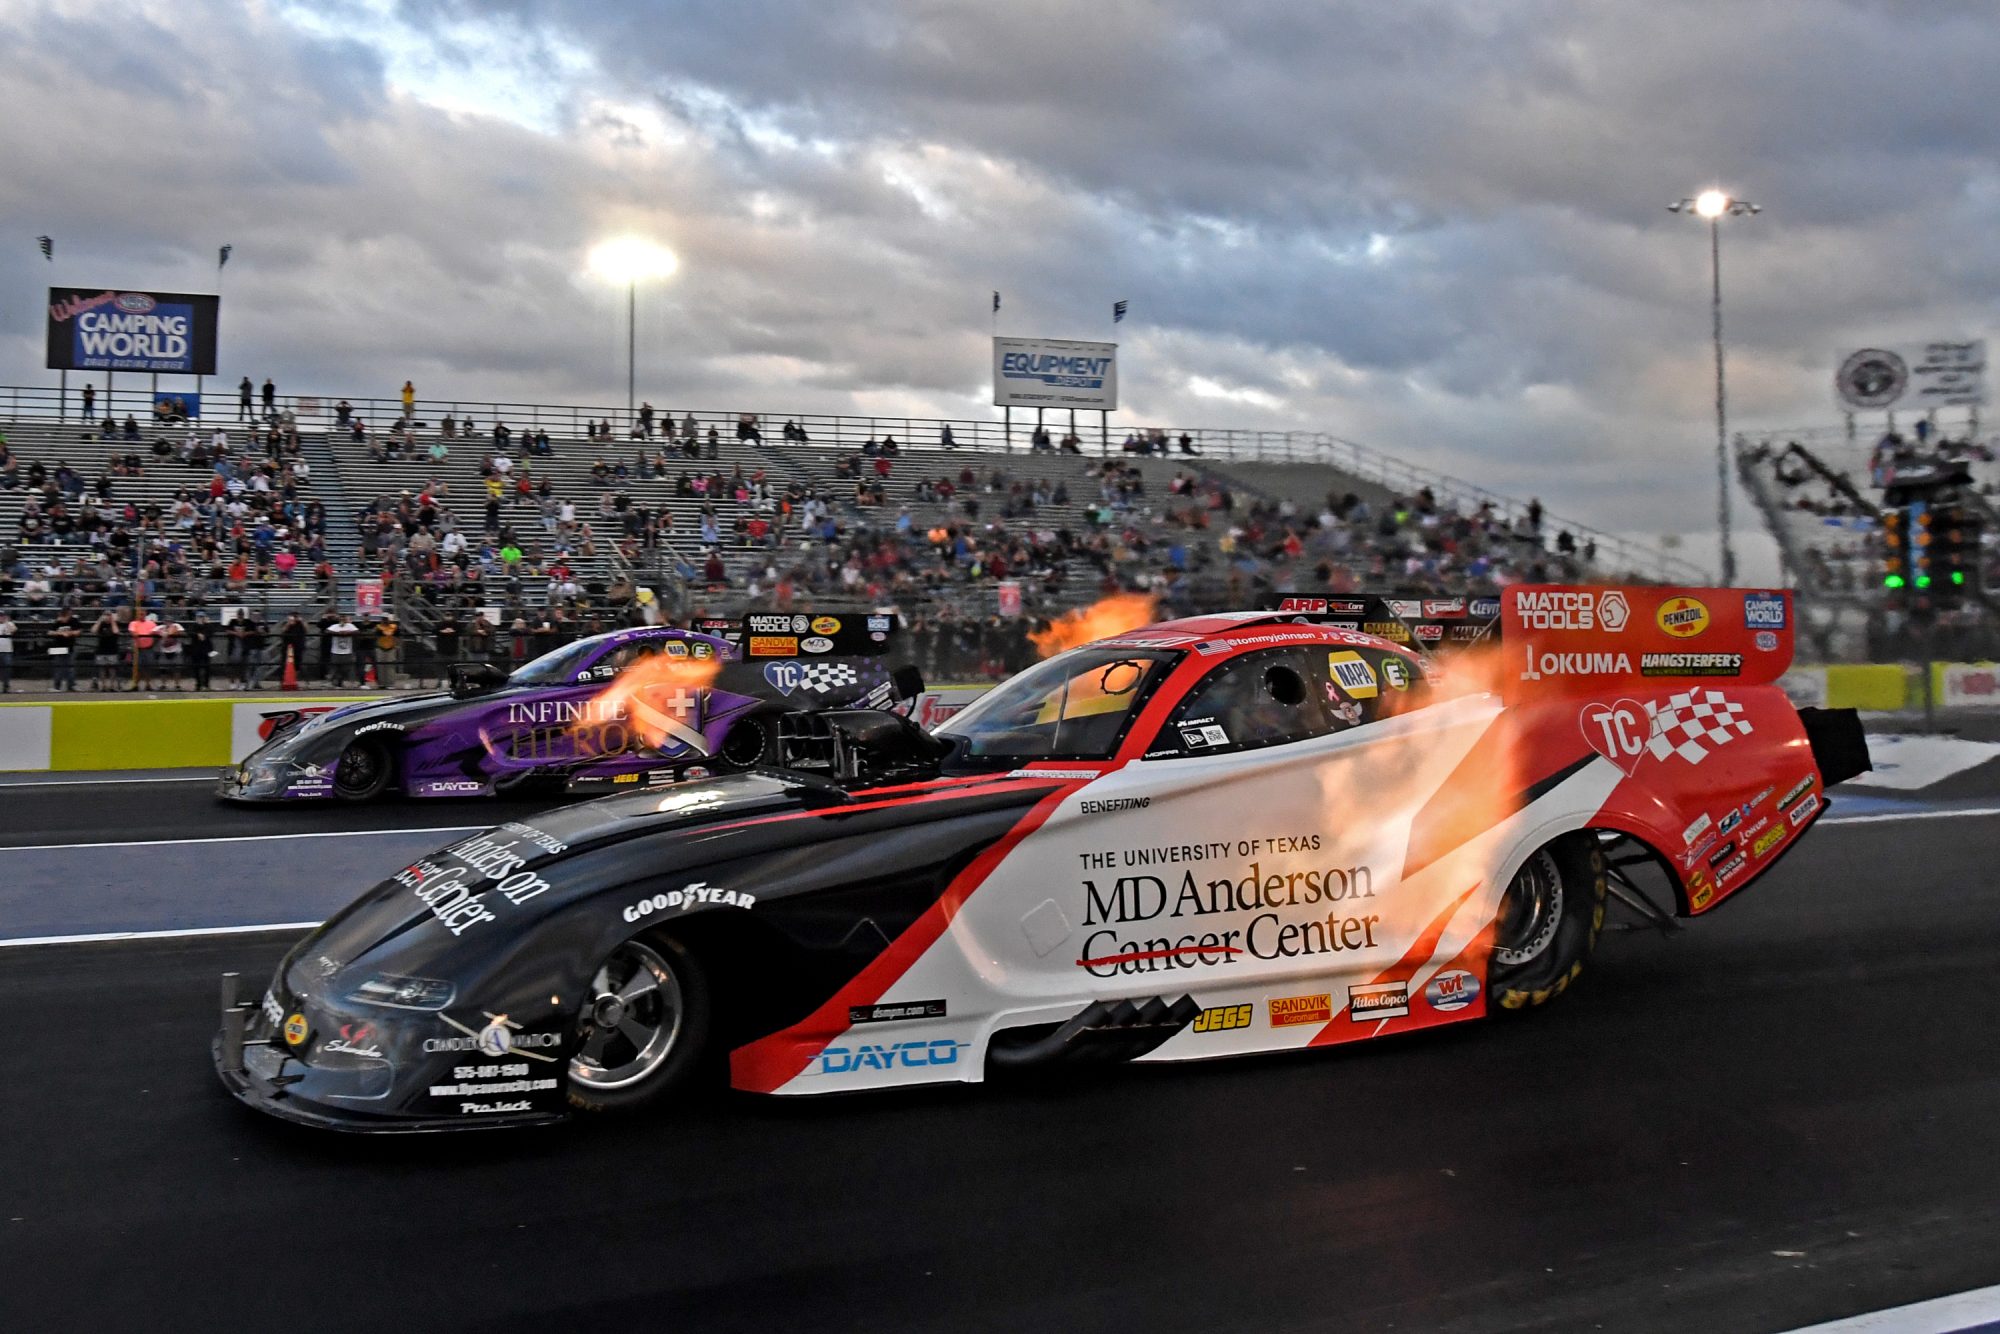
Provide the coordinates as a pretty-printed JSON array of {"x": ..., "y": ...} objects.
[{"x": 565, "y": 518}]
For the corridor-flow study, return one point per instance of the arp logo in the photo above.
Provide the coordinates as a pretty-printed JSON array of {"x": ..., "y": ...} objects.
[{"x": 915, "y": 1054}]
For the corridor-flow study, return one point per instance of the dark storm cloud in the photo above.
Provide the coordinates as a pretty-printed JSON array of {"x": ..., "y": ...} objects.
[{"x": 1438, "y": 227}]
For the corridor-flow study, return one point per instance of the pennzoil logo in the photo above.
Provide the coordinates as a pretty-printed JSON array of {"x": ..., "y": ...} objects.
[
  {"x": 1683, "y": 617},
  {"x": 295, "y": 1030},
  {"x": 1222, "y": 1019},
  {"x": 1291, "y": 1011},
  {"x": 826, "y": 625}
]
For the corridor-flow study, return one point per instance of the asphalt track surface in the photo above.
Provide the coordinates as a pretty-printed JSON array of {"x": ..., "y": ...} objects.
[{"x": 1788, "y": 1112}]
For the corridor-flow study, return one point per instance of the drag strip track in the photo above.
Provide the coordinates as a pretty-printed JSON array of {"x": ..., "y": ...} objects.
[
  {"x": 1783, "y": 1114},
  {"x": 42, "y": 814}
]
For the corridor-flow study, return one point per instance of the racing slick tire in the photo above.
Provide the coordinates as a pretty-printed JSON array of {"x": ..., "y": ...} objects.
[
  {"x": 644, "y": 1028},
  {"x": 751, "y": 742},
  {"x": 1549, "y": 920},
  {"x": 364, "y": 771}
]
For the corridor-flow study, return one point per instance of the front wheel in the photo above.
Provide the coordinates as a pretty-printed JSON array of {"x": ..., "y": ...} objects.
[
  {"x": 643, "y": 1026},
  {"x": 1549, "y": 920},
  {"x": 363, "y": 772}
]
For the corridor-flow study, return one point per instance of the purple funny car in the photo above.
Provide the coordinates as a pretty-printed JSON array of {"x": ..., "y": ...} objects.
[{"x": 634, "y": 707}]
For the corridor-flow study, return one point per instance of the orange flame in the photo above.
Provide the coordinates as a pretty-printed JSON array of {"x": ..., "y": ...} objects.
[
  {"x": 1100, "y": 620},
  {"x": 659, "y": 699}
]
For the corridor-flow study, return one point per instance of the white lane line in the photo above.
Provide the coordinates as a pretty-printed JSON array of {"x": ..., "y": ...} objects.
[
  {"x": 106, "y": 782},
  {"x": 1911, "y": 815},
  {"x": 103, "y": 936},
  {"x": 1960, "y": 1311},
  {"x": 248, "y": 838}
]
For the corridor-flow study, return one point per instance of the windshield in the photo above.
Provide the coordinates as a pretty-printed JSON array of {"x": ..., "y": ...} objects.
[
  {"x": 555, "y": 667},
  {"x": 1072, "y": 707}
]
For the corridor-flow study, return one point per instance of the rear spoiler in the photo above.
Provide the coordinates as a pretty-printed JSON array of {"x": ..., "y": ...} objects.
[
  {"x": 1429, "y": 625},
  {"x": 800, "y": 634},
  {"x": 1572, "y": 640}
]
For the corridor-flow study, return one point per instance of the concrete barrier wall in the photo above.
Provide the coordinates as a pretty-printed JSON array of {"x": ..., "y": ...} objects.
[{"x": 92, "y": 734}]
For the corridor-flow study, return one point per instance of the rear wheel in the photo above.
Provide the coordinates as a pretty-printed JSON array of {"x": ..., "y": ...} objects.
[
  {"x": 363, "y": 772},
  {"x": 1549, "y": 920},
  {"x": 643, "y": 1026}
]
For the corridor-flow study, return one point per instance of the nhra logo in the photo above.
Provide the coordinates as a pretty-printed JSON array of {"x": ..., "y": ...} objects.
[{"x": 134, "y": 303}]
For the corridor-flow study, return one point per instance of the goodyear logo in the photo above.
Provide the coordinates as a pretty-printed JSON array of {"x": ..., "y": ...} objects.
[
  {"x": 1289, "y": 1011},
  {"x": 1222, "y": 1019},
  {"x": 1683, "y": 617}
]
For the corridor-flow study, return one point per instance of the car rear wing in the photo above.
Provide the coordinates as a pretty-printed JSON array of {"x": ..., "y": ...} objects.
[
  {"x": 802, "y": 634},
  {"x": 1566, "y": 640}
]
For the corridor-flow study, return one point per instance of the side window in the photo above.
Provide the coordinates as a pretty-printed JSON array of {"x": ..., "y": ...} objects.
[
  {"x": 617, "y": 660},
  {"x": 1359, "y": 685},
  {"x": 1260, "y": 699}
]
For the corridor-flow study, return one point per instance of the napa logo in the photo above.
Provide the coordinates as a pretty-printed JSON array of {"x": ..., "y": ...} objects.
[{"x": 1683, "y": 617}]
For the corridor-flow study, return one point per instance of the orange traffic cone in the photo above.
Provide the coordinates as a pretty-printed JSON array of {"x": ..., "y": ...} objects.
[
  {"x": 291, "y": 681},
  {"x": 368, "y": 676}
]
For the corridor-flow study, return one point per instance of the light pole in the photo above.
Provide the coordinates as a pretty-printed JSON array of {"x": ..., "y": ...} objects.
[
  {"x": 628, "y": 260},
  {"x": 1715, "y": 205}
]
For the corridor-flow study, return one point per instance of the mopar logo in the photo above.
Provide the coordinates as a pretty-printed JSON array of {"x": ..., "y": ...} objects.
[{"x": 915, "y": 1054}]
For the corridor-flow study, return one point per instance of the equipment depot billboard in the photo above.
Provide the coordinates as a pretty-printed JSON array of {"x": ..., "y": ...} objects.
[
  {"x": 1054, "y": 373},
  {"x": 106, "y": 329}
]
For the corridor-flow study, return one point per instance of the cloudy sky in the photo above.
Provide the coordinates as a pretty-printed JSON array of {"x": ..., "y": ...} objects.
[{"x": 1436, "y": 228}]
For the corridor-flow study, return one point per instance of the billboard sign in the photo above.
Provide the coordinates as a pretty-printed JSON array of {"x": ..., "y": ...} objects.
[
  {"x": 1054, "y": 373},
  {"x": 1913, "y": 377},
  {"x": 106, "y": 329}
]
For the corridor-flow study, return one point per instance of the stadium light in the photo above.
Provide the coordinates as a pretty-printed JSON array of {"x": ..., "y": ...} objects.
[
  {"x": 632, "y": 260},
  {"x": 1712, "y": 206}
]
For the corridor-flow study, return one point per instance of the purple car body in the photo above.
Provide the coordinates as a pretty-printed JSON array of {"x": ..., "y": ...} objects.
[{"x": 551, "y": 719}]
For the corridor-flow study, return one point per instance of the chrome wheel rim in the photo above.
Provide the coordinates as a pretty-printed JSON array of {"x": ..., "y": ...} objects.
[
  {"x": 632, "y": 1021},
  {"x": 1530, "y": 912}
]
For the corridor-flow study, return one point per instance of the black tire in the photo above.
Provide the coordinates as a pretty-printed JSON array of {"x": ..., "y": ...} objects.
[
  {"x": 614, "y": 1069},
  {"x": 1549, "y": 920},
  {"x": 364, "y": 771},
  {"x": 752, "y": 742}
]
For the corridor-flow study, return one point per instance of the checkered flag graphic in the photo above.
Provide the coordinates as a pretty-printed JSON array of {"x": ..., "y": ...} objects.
[
  {"x": 1693, "y": 722},
  {"x": 825, "y": 677}
]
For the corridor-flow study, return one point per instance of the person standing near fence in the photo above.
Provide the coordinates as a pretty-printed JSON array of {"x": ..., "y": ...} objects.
[
  {"x": 270, "y": 398},
  {"x": 104, "y": 630},
  {"x": 244, "y": 392},
  {"x": 7, "y": 631},
  {"x": 89, "y": 401},
  {"x": 172, "y": 643},
  {"x": 256, "y": 661},
  {"x": 340, "y": 649},
  {"x": 292, "y": 644},
  {"x": 63, "y": 637},
  {"x": 144, "y": 632},
  {"x": 388, "y": 650},
  {"x": 409, "y": 400},
  {"x": 200, "y": 647}
]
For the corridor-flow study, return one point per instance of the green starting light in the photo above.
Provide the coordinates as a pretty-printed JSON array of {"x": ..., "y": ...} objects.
[
  {"x": 1893, "y": 581},
  {"x": 1923, "y": 581},
  {"x": 1958, "y": 576}
]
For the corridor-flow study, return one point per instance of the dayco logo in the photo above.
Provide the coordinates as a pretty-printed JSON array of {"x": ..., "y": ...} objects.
[
  {"x": 1222, "y": 1019},
  {"x": 915, "y": 1054},
  {"x": 1291, "y": 1011},
  {"x": 1683, "y": 617},
  {"x": 697, "y": 895}
]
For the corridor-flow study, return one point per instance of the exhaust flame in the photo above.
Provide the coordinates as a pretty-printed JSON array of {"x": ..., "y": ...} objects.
[
  {"x": 1100, "y": 620},
  {"x": 661, "y": 700}
]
